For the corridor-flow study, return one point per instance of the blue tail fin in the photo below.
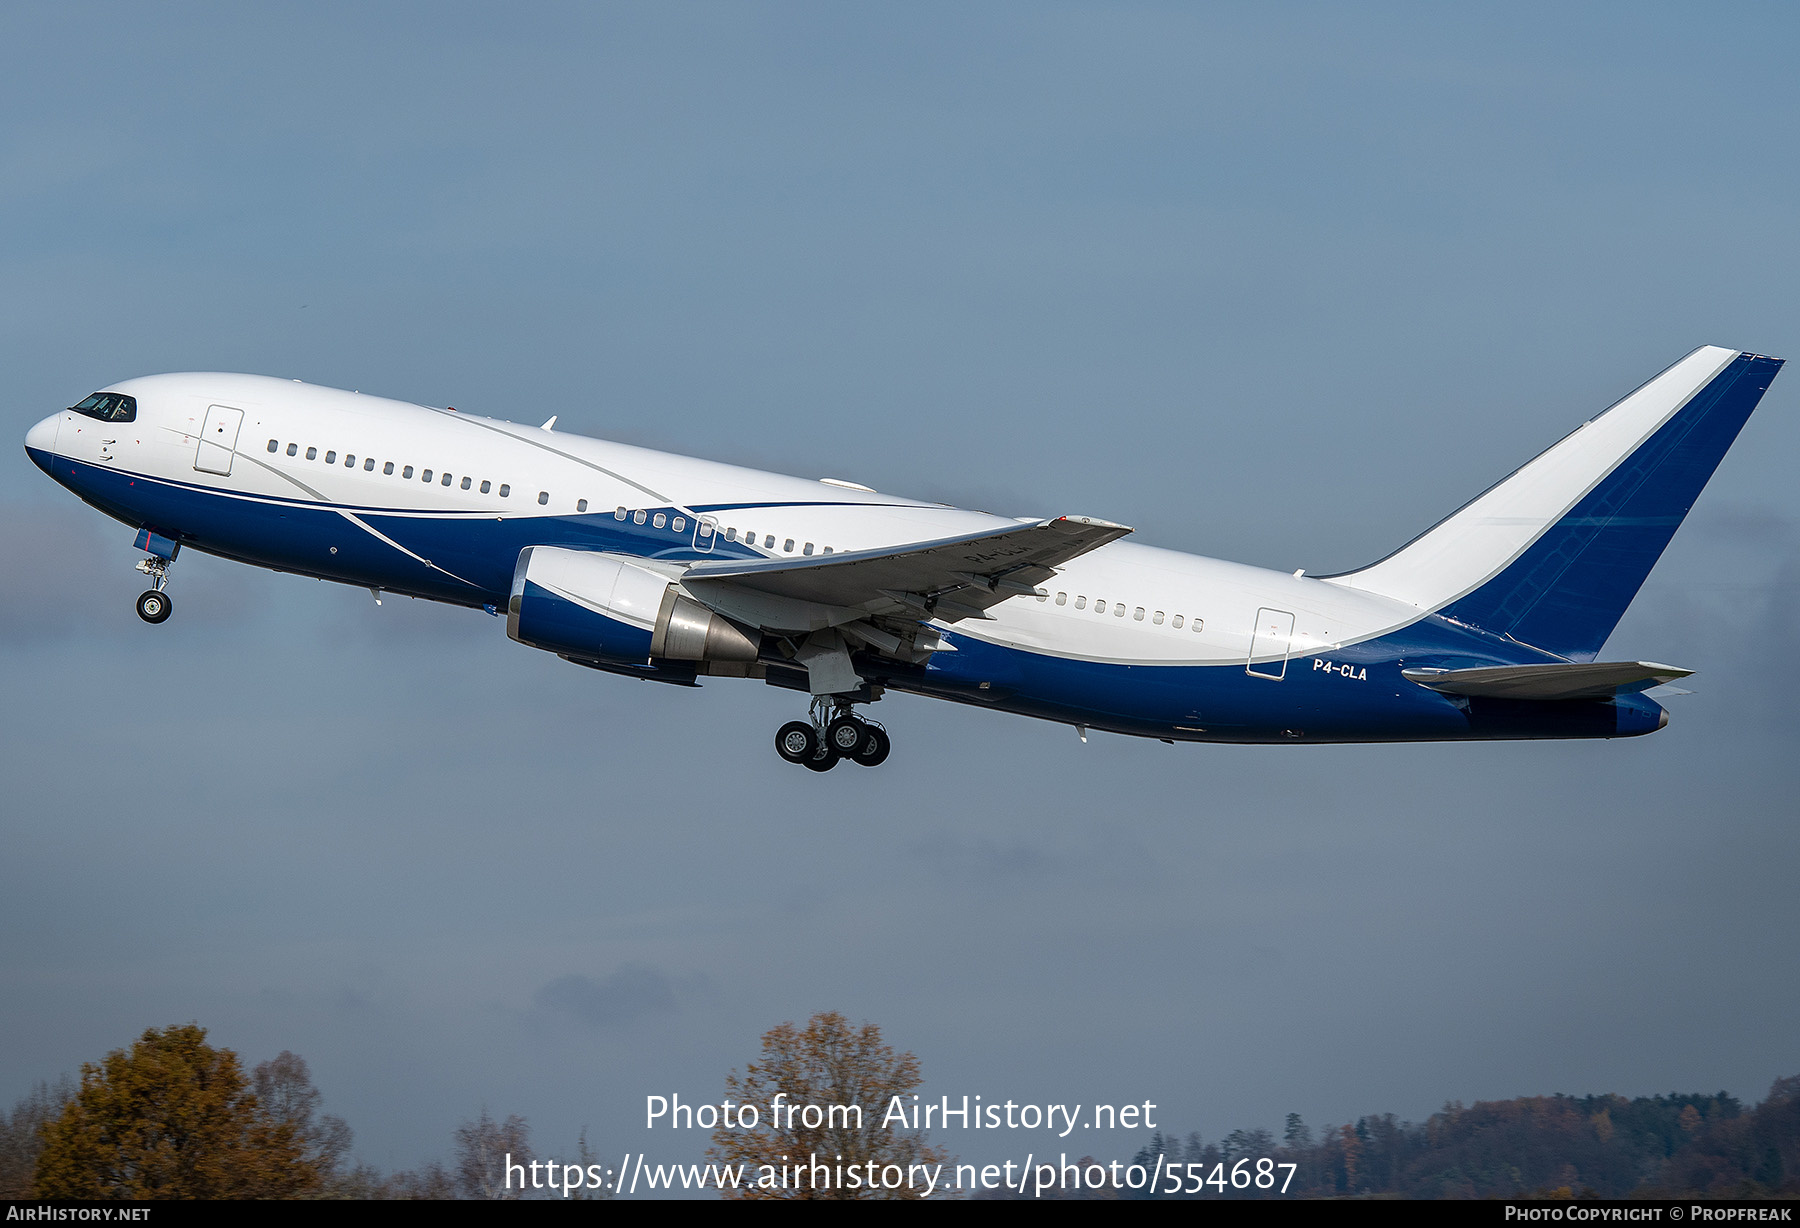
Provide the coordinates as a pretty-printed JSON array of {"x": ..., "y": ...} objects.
[{"x": 1568, "y": 589}]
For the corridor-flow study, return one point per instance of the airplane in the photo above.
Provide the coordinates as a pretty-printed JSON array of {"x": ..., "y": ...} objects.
[{"x": 668, "y": 568}]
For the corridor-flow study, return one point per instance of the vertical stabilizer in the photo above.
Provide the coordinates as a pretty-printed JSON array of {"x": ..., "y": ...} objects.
[{"x": 1552, "y": 555}]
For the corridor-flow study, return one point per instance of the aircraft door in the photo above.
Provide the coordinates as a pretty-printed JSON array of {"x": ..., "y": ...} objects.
[
  {"x": 706, "y": 533},
  {"x": 218, "y": 440},
  {"x": 1273, "y": 635}
]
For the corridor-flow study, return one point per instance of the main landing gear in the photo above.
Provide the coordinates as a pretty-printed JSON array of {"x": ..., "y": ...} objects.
[
  {"x": 818, "y": 744},
  {"x": 153, "y": 605}
]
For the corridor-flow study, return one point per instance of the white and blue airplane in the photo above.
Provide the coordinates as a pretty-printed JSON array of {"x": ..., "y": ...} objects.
[{"x": 670, "y": 568}]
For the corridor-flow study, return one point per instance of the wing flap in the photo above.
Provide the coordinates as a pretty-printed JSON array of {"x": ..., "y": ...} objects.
[
  {"x": 951, "y": 579},
  {"x": 1587, "y": 680}
]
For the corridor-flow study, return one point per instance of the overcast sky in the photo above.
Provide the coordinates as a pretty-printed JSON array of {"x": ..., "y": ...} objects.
[{"x": 1276, "y": 285}]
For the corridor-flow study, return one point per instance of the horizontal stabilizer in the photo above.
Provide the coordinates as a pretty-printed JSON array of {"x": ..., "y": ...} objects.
[
  {"x": 1588, "y": 680},
  {"x": 981, "y": 570}
]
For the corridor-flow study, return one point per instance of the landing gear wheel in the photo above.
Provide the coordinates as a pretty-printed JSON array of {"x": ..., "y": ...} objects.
[
  {"x": 823, "y": 759},
  {"x": 796, "y": 741},
  {"x": 846, "y": 735},
  {"x": 875, "y": 747},
  {"x": 153, "y": 606}
]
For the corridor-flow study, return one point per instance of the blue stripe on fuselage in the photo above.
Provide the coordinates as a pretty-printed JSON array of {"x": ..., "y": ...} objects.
[
  {"x": 1370, "y": 702},
  {"x": 1314, "y": 702},
  {"x": 477, "y": 549}
]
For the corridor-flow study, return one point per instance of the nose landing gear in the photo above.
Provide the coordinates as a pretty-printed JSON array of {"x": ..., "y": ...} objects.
[
  {"x": 154, "y": 606},
  {"x": 819, "y": 744}
]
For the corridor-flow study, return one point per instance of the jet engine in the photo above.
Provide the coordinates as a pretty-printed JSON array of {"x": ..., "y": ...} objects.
[{"x": 603, "y": 607}]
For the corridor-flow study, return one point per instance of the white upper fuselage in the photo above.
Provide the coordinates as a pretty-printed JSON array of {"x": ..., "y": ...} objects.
[{"x": 1142, "y": 589}]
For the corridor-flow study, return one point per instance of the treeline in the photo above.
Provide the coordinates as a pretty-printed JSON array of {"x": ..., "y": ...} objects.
[
  {"x": 1544, "y": 1146},
  {"x": 173, "y": 1117}
]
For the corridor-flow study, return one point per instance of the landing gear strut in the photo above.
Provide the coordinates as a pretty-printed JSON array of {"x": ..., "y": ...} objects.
[
  {"x": 154, "y": 606},
  {"x": 835, "y": 732}
]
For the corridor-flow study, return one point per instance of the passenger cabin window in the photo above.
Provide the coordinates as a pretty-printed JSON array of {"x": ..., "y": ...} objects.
[
  {"x": 349, "y": 460},
  {"x": 406, "y": 472},
  {"x": 1062, "y": 599},
  {"x": 678, "y": 524},
  {"x": 1043, "y": 594},
  {"x": 788, "y": 546},
  {"x": 467, "y": 482},
  {"x": 543, "y": 497},
  {"x": 658, "y": 521},
  {"x": 581, "y": 505},
  {"x": 388, "y": 468},
  {"x": 109, "y": 407},
  {"x": 730, "y": 535},
  {"x": 274, "y": 445},
  {"x": 1080, "y": 602},
  {"x": 312, "y": 454},
  {"x": 808, "y": 550},
  {"x": 486, "y": 486},
  {"x": 1176, "y": 622},
  {"x": 426, "y": 476},
  {"x": 447, "y": 480},
  {"x": 1099, "y": 606},
  {"x": 769, "y": 542},
  {"x": 825, "y": 550},
  {"x": 1157, "y": 618},
  {"x": 1199, "y": 623},
  {"x": 618, "y": 513},
  {"x": 369, "y": 465},
  {"x": 505, "y": 490},
  {"x": 331, "y": 458},
  {"x": 293, "y": 449},
  {"x": 1137, "y": 615},
  {"x": 639, "y": 516}
]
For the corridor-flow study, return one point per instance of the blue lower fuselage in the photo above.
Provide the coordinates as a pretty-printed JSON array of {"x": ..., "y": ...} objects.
[{"x": 1356, "y": 694}]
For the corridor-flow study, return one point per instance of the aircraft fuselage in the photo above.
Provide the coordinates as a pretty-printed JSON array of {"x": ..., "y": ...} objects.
[{"x": 437, "y": 504}]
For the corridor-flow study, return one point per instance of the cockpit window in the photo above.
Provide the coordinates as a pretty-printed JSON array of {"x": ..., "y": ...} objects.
[{"x": 108, "y": 407}]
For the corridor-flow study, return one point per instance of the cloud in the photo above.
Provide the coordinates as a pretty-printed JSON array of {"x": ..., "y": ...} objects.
[
  {"x": 1745, "y": 524},
  {"x": 985, "y": 860},
  {"x": 632, "y": 993}
]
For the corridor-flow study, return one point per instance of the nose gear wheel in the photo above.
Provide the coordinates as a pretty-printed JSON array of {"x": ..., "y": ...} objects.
[{"x": 153, "y": 605}]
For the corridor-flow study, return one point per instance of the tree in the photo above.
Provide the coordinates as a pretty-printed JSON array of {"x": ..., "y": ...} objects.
[
  {"x": 21, "y": 1137},
  {"x": 286, "y": 1095},
  {"x": 172, "y": 1117},
  {"x": 484, "y": 1147},
  {"x": 586, "y": 1158},
  {"x": 828, "y": 1065},
  {"x": 433, "y": 1182}
]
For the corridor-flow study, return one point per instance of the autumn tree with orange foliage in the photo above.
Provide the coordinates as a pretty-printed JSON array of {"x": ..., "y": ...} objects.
[
  {"x": 826, "y": 1063},
  {"x": 173, "y": 1117}
]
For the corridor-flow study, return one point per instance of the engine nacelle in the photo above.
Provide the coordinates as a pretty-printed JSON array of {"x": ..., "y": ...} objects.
[{"x": 606, "y": 608}]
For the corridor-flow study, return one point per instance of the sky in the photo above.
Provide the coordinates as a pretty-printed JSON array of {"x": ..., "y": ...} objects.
[{"x": 1282, "y": 285}]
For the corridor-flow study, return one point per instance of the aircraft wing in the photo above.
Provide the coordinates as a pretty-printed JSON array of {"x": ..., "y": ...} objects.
[
  {"x": 1590, "y": 680},
  {"x": 951, "y": 579}
]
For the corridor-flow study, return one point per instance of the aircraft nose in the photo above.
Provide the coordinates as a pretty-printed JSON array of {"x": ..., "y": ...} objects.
[{"x": 42, "y": 437}]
